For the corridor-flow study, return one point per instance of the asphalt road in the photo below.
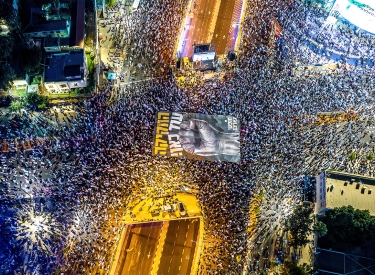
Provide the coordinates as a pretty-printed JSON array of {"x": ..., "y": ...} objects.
[
  {"x": 179, "y": 247},
  {"x": 222, "y": 27},
  {"x": 140, "y": 249},
  {"x": 199, "y": 31}
]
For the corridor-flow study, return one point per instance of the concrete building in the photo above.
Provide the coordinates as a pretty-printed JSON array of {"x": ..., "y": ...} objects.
[
  {"x": 336, "y": 189},
  {"x": 39, "y": 26},
  {"x": 65, "y": 71}
]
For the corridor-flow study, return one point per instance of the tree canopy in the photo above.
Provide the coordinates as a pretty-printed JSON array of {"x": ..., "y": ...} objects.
[
  {"x": 291, "y": 268},
  {"x": 31, "y": 59},
  {"x": 6, "y": 46},
  {"x": 299, "y": 224},
  {"x": 7, "y": 75},
  {"x": 346, "y": 224},
  {"x": 319, "y": 228},
  {"x": 7, "y": 10},
  {"x": 33, "y": 100}
]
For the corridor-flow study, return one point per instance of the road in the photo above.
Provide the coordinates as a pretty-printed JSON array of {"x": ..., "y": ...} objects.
[
  {"x": 179, "y": 247},
  {"x": 223, "y": 25},
  {"x": 140, "y": 249},
  {"x": 199, "y": 26}
]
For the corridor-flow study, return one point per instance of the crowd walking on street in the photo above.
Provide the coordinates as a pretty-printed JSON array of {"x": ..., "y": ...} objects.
[{"x": 62, "y": 201}]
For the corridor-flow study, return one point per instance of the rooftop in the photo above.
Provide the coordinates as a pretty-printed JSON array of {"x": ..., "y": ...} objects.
[
  {"x": 77, "y": 29},
  {"x": 63, "y": 65},
  {"x": 348, "y": 189}
]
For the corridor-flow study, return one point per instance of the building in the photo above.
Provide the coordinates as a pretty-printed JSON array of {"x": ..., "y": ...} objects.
[
  {"x": 39, "y": 26},
  {"x": 336, "y": 189},
  {"x": 56, "y": 44},
  {"x": 65, "y": 71},
  {"x": 60, "y": 33},
  {"x": 77, "y": 30}
]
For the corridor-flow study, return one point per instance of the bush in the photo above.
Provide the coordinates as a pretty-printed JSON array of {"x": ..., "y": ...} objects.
[
  {"x": 15, "y": 106},
  {"x": 352, "y": 156},
  {"x": 370, "y": 156},
  {"x": 346, "y": 224},
  {"x": 33, "y": 100},
  {"x": 42, "y": 106}
]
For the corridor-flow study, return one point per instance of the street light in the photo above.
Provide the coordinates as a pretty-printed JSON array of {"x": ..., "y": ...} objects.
[{"x": 44, "y": 65}]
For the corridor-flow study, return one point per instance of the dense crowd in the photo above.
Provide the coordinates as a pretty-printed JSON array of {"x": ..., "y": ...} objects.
[{"x": 81, "y": 177}]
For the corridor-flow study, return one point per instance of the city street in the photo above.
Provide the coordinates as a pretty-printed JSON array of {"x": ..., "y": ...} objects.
[
  {"x": 179, "y": 247},
  {"x": 140, "y": 249}
]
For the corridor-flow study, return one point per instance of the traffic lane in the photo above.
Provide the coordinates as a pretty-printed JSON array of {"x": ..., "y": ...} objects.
[
  {"x": 149, "y": 248},
  {"x": 144, "y": 239},
  {"x": 199, "y": 26},
  {"x": 189, "y": 248},
  {"x": 175, "y": 242},
  {"x": 222, "y": 27}
]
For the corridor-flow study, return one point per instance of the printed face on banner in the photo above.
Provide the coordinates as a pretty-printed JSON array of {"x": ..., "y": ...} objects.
[{"x": 197, "y": 136}]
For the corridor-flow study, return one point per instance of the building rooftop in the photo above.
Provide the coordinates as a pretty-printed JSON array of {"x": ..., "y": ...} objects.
[
  {"x": 56, "y": 25},
  {"x": 63, "y": 65},
  {"x": 56, "y": 41},
  {"x": 77, "y": 29},
  {"x": 348, "y": 189}
]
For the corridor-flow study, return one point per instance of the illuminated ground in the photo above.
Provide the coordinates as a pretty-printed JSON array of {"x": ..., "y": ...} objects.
[
  {"x": 164, "y": 243},
  {"x": 161, "y": 248},
  {"x": 210, "y": 20}
]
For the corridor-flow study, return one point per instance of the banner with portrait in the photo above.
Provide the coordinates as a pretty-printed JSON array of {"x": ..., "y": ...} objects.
[{"x": 197, "y": 136}]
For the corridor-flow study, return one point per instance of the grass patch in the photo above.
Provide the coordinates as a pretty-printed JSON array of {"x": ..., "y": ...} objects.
[
  {"x": 20, "y": 92},
  {"x": 90, "y": 63},
  {"x": 71, "y": 94}
]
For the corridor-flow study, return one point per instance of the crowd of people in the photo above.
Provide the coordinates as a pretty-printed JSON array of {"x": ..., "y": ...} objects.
[
  {"x": 339, "y": 37},
  {"x": 90, "y": 166}
]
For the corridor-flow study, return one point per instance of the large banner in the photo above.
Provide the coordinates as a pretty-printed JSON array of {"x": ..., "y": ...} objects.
[{"x": 197, "y": 136}]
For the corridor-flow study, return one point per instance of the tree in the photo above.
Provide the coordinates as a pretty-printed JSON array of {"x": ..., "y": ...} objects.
[
  {"x": 31, "y": 58},
  {"x": 7, "y": 10},
  {"x": 352, "y": 156},
  {"x": 370, "y": 156},
  {"x": 33, "y": 100},
  {"x": 291, "y": 268},
  {"x": 319, "y": 228},
  {"x": 346, "y": 224},
  {"x": 6, "y": 46},
  {"x": 15, "y": 106},
  {"x": 299, "y": 224},
  {"x": 7, "y": 75}
]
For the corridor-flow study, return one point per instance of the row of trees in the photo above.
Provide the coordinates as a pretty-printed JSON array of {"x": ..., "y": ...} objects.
[
  {"x": 340, "y": 224},
  {"x": 353, "y": 156},
  {"x": 349, "y": 225},
  {"x": 301, "y": 223},
  {"x": 30, "y": 100}
]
